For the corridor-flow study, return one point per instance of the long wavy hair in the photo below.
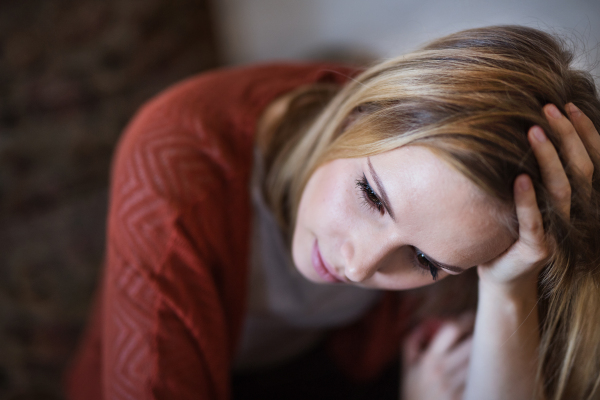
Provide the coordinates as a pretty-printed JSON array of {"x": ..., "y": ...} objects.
[{"x": 470, "y": 97}]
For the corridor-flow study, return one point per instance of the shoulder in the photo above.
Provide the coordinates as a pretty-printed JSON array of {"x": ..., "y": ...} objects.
[
  {"x": 208, "y": 121},
  {"x": 186, "y": 157},
  {"x": 236, "y": 93}
]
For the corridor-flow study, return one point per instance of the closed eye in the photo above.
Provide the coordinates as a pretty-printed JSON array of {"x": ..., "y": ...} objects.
[
  {"x": 369, "y": 196},
  {"x": 426, "y": 264}
]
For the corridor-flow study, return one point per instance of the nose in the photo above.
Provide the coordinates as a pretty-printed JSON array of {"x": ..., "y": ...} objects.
[
  {"x": 358, "y": 274},
  {"x": 363, "y": 260}
]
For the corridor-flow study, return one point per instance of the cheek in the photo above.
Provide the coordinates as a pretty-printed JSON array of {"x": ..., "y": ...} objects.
[
  {"x": 397, "y": 270},
  {"x": 325, "y": 212},
  {"x": 407, "y": 281},
  {"x": 328, "y": 202}
]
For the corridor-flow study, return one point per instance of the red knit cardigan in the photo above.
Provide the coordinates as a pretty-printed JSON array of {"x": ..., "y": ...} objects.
[{"x": 171, "y": 305}]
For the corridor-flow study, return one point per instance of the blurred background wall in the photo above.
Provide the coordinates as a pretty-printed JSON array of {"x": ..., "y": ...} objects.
[
  {"x": 72, "y": 73},
  {"x": 256, "y": 30}
]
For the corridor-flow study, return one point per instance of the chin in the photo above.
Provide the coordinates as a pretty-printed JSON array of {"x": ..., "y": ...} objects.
[{"x": 301, "y": 257}]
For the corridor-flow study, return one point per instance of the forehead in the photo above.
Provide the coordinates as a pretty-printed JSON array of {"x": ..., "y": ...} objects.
[{"x": 438, "y": 209}]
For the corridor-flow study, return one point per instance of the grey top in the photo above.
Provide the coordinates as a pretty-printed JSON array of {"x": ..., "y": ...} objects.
[{"x": 287, "y": 314}]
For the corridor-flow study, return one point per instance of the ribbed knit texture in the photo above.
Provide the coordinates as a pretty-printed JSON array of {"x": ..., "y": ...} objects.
[{"x": 169, "y": 311}]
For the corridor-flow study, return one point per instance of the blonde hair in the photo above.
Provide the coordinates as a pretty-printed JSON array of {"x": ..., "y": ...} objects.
[{"x": 471, "y": 97}]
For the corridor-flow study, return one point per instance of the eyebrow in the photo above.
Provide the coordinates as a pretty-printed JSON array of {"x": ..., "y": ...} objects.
[
  {"x": 386, "y": 203},
  {"x": 452, "y": 268},
  {"x": 384, "y": 197}
]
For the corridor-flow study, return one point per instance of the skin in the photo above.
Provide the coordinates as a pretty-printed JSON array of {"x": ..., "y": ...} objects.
[
  {"x": 363, "y": 246},
  {"x": 506, "y": 336},
  {"x": 434, "y": 207},
  {"x": 438, "y": 368}
]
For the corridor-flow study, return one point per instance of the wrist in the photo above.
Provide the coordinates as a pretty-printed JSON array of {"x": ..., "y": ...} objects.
[
  {"x": 518, "y": 298},
  {"x": 505, "y": 341},
  {"x": 525, "y": 286}
]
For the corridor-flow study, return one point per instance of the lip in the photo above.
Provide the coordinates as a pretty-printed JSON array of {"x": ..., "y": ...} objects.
[{"x": 324, "y": 270}]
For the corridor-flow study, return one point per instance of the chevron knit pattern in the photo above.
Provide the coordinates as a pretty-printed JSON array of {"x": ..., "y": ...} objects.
[{"x": 169, "y": 313}]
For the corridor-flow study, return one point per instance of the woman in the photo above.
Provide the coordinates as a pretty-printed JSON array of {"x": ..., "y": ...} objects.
[{"x": 477, "y": 150}]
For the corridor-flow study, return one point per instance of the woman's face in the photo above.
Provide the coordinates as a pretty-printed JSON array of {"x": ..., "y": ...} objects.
[{"x": 393, "y": 221}]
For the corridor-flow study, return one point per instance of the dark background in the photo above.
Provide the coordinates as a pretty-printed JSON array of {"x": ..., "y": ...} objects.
[{"x": 72, "y": 73}]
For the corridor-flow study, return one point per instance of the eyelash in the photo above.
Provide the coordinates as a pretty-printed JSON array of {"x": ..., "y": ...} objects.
[
  {"x": 423, "y": 263},
  {"x": 369, "y": 196}
]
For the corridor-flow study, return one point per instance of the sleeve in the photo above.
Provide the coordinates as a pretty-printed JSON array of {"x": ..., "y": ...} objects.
[
  {"x": 171, "y": 304},
  {"x": 151, "y": 350},
  {"x": 174, "y": 286}
]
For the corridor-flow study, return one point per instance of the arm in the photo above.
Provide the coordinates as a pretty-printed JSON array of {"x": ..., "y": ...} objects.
[
  {"x": 149, "y": 352},
  {"x": 176, "y": 262},
  {"x": 504, "y": 360},
  {"x": 506, "y": 338}
]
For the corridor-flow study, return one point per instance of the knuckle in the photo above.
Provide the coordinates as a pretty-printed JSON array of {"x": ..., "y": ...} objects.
[
  {"x": 538, "y": 256},
  {"x": 588, "y": 170},
  {"x": 452, "y": 328},
  {"x": 569, "y": 130},
  {"x": 563, "y": 192},
  {"x": 535, "y": 226},
  {"x": 539, "y": 252}
]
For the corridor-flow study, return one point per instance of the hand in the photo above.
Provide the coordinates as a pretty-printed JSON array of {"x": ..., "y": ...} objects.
[
  {"x": 435, "y": 359},
  {"x": 523, "y": 261}
]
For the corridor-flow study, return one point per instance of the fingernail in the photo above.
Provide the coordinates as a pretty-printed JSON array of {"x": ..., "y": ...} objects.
[
  {"x": 553, "y": 111},
  {"x": 524, "y": 184},
  {"x": 538, "y": 134},
  {"x": 572, "y": 109}
]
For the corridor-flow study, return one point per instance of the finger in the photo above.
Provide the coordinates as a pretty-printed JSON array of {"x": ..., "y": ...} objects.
[
  {"x": 451, "y": 333},
  {"x": 531, "y": 226},
  {"x": 575, "y": 153},
  {"x": 411, "y": 347},
  {"x": 459, "y": 357},
  {"x": 418, "y": 339},
  {"x": 587, "y": 132},
  {"x": 553, "y": 174}
]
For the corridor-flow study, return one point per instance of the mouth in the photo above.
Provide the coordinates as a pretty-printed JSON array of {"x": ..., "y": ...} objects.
[{"x": 325, "y": 271}]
